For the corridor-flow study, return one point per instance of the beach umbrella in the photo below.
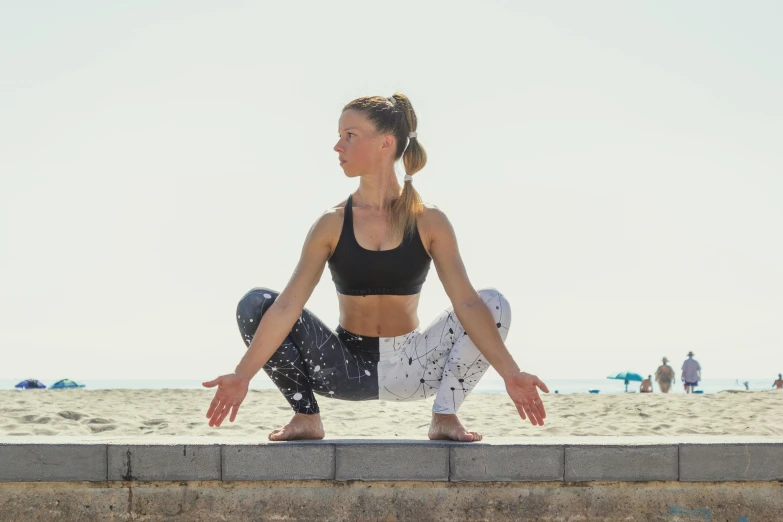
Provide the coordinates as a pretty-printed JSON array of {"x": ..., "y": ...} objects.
[
  {"x": 66, "y": 383},
  {"x": 627, "y": 376},
  {"x": 28, "y": 384}
]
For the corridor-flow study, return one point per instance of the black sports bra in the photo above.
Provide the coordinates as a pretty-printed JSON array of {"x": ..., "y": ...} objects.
[{"x": 358, "y": 271}]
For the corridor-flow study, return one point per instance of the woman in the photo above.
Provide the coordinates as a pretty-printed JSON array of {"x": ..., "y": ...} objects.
[
  {"x": 664, "y": 375},
  {"x": 378, "y": 243}
]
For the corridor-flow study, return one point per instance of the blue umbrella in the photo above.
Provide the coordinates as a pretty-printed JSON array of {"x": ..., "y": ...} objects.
[
  {"x": 627, "y": 376},
  {"x": 66, "y": 383},
  {"x": 28, "y": 384}
]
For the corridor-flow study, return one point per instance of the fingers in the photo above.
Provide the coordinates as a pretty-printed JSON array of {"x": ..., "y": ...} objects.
[
  {"x": 232, "y": 409},
  {"x": 541, "y": 385},
  {"x": 220, "y": 414},
  {"x": 234, "y": 413},
  {"x": 535, "y": 421},
  {"x": 537, "y": 405},
  {"x": 538, "y": 409},
  {"x": 532, "y": 410},
  {"x": 521, "y": 411},
  {"x": 223, "y": 414},
  {"x": 214, "y": 415},
  {"x": 213, "y": 405}
]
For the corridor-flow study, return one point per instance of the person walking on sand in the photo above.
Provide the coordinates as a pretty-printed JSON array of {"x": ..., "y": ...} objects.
[
  {"x": 778, "y": 383},
  {"x": 664, "y": 376},
  {"x": 691, "y": 373},
  {"x": 378, "y": 243},
  {"x": 646, "y": 386}
]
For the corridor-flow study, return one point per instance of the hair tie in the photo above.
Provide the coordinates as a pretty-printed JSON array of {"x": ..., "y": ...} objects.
[
  {"x": 412, "y": 134},
  {"x": 407, "y": 178},
  {"x": 392, "y": 100}
]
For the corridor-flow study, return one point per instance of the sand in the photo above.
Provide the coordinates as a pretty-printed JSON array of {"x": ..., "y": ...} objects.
[{"x": 123, "y": 413}]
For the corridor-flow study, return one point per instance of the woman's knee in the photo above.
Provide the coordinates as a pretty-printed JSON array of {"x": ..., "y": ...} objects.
[
  {"x": 255, "y": 297},
  {"x": 253, "y": 305},
  {"x": 492, "y": 295},
  {"x": 497, "y": 304}
]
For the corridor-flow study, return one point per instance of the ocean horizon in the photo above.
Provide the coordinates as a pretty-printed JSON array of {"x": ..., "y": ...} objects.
[{"x": 562, "y": 386}]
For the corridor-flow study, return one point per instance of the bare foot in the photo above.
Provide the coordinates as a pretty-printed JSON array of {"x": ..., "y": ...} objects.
[
  {"x": 448, "y": 427},
  {"x": 300, "y": 427}
]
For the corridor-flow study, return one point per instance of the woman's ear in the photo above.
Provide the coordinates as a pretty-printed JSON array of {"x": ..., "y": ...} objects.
[{"x": 389, "y": 143}]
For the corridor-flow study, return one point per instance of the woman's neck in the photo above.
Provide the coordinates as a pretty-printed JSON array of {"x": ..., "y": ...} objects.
[{"x": 378, "y": 192}]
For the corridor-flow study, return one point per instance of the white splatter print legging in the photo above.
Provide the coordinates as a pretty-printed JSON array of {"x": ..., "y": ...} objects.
[{"x": 440, "y": 361}]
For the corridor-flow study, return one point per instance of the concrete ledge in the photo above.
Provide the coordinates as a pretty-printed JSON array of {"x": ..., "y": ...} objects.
[
  {"x": 392, "y": 461},
  {"x": 289, "y": 461},
  {"x": 621, "y": 463},
  {"x": 52, "y": 462},
  {"x": 484, "y": 462},
  {"x": 558, "y": 459},
  {"x": 163, "y": 462},
  {"x": 723, "y": 462}
]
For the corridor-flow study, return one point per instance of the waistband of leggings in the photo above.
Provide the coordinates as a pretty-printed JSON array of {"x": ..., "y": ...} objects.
[
  {"x": 389, "y": 345},
  {"x": 383, "y": 344}
]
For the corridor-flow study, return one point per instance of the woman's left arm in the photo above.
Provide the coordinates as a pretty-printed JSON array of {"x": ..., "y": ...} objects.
[{"x": 477, "y": 320}]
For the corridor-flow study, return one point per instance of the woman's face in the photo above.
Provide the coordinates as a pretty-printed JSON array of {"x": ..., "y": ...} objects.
[{"x": 360, "y": 149}]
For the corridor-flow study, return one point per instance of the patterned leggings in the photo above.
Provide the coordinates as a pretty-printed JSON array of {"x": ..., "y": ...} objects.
[{"x": 440, "y": 361}]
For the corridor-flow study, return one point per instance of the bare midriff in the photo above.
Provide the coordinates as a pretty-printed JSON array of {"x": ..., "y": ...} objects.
[{"x": 379, "y": 315}]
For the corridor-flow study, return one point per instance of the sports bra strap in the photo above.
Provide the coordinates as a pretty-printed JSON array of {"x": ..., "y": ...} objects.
[{"x": 348, "y": 217}]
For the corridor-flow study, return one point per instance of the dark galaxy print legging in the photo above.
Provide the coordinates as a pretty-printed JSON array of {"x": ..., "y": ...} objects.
[{"x": 440, "y": 361}]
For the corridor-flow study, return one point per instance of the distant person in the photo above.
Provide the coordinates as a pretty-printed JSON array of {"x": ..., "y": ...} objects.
[
  {"x": 646, "y": 386},
  {"x": 664, "y": 375},
  {"x": 691, "y": 373},
  {"x": 779, "y": 383},
  {"x": 746, "y": 384}
]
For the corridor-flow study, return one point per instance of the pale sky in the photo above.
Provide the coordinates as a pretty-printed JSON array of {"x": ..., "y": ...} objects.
[{"x": 613, "y": 168}]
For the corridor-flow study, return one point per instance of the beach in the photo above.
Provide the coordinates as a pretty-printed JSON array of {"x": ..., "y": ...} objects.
[{"x": 123, "y": 413}]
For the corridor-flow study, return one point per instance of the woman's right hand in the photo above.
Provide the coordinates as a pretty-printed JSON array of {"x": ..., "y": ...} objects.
[{"x": 232, "y": 389}]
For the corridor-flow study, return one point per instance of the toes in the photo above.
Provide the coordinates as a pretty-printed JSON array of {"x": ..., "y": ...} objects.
[
  {"x": 474, "y": 436},
  {"x": 464, "y": 436}
]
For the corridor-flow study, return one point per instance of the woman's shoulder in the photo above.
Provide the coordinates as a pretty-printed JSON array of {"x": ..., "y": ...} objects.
[
  {"x": 433, "y": 218},
  {"x": 337, "y": 209},
  {"x": 329, "y": 223},
  {"x": 433, "y": 225}
]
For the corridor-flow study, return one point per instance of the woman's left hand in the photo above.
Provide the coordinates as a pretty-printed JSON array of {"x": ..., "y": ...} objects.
[{"x": 522, "y": 388}]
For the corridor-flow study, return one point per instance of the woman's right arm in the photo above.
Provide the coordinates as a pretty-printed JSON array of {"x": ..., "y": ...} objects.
[
  {"x": 275, "y": 324},
  {"x": 280, "y": 317}
]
